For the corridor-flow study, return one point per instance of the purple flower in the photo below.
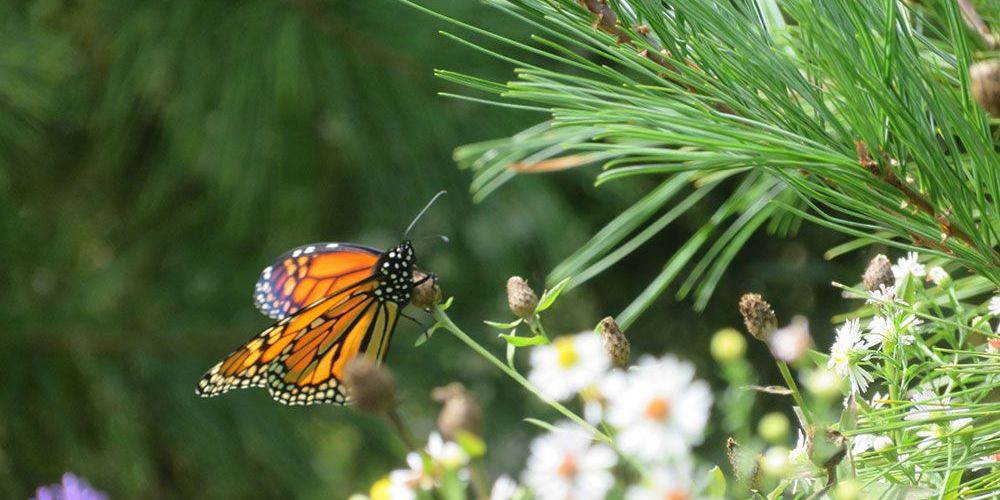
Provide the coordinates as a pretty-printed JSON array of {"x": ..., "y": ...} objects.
[{"x": 71, "y": 488}]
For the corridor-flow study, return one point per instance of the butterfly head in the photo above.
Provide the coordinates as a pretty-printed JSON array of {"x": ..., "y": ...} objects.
[{"x": 394, "y": 272}]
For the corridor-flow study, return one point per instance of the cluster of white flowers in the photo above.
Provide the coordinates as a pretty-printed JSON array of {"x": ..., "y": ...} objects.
[
  {"x": 425, "y": 469},
  {"x": 657, "y": 408}
]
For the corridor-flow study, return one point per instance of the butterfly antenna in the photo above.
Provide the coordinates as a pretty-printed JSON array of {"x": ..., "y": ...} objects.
[{"x": 421, "y": 213}]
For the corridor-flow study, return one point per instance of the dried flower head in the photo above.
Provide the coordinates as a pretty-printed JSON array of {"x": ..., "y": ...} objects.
[
  {"x": 427, "y": 294},
  {"x": 370, "y": 385},
  {"x": 615, "y": 343},
  {"x": 758, "y": 316},
  {"x": 878, "y": 272},
  {"x": 986, "y": 85},
  {"x": 460, "y": 411},
  {"x": 521, "y": 298}
]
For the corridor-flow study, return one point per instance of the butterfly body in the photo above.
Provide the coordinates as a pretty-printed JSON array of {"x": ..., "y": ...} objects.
[{"x": 333, "y": 302}]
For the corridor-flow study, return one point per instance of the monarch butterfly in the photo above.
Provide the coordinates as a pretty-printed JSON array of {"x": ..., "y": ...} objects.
[{"x": 333, "y": 302}]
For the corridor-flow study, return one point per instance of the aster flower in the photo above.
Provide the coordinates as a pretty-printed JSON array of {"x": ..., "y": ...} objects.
[
  {"x": 595, "y": 397},
  {"x": 672, "y": 483},
  {"x": 803, "y": 470},
  {"x": 504, "y": 488},
  {"x": 864, "y": 442},
  {"x": 568, "y": 365},
  {"x": 791, "y": 342},
  {"x": 404, "y": 483},
  {"x": 661, "y": 410},
  {"x": 70, "y": 488},
  {"x": 908, "y": 266},
  {"x": 565, "y": 464},
  {"x": 878, "y": 400},
  {"x": 883, "y": 294},
  {"x": 987, "y": 462},
  {"x": 938, "y": 276},
  {"x": 446, "y": 453},
  {"x": 994, "y": 306},
  {"x": 993, "y": 344},
  {"x": 844, "y": 356},
  {"x": 885, "y": 331},
  {"x": 934, "y": 434}
]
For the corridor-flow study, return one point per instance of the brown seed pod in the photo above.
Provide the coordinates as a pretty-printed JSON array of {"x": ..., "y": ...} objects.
[
  {"x": 521, "y": 299},
  {"x": 460, "y": 411},
  {"x": 758, "y": 316},
  {"x": 615, "y": 343},
  {"x": 985, "y": 78},
  {"x": 370, "y": 385},
  {"x": 427, "y": 294},
  {"x": 878, "y": 273}
]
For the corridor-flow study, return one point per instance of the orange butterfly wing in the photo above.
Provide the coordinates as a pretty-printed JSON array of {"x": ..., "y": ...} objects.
[
  {"x": 309, "y": 273},
  {"x": 301, "y": 359}
]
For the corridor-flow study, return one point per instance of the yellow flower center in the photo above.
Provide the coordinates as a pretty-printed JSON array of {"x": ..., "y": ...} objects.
[
  {"x": 566, "y": 352},
  {"x": 658, "y": 409}
]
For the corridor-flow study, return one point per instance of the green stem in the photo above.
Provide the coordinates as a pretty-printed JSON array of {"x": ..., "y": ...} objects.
[
  {"x": 792, "y": 386},
  {"x": 446, "y": 322}
]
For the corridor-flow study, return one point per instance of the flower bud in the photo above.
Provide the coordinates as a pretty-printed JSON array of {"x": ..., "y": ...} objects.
[
  {"x": 878, "y": 272},
  {"x": 939, "y": 276},
  {"x": 848, "y": 489},
  {"x": 758, "y": 316},
  {"x": 822, "y": 382},
  {"x": 521, "y": 298},
  {"x": 459, "y": 413},
  {"x": 791, "y": 342},
  {"x": 728, "y": 345},
  {"x": 985, "y": 78},
  {"x": 615, "y": 343},
  {"x": 370, "y": 385},
  {"x": 427, "y": 294},
  {"x": 774, "y": 427},
  {"x": 775, "y": 462}
]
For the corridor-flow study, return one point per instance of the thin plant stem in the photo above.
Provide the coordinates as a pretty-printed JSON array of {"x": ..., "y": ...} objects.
[
  {"x": 399, "y": 425},
  {"x": 796, "y": 394},
  {"x": 446, "y": 323}
]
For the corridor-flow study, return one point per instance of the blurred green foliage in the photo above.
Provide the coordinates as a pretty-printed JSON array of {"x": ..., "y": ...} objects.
[{"x": 154, "y": 156}]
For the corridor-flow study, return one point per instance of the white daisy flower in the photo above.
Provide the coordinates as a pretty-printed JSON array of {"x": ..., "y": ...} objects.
[
  {"x": 565, "y": 464},
  {"x": 671, "y": 483},
  {"x": 446, "y": 453},
  {"x": 993, "y": 344},
  {"x": 886, "y": 331},
  {"x": 986, "y": 462},
  {"x": 844, "y": 356},
  {"x": 504, "y": 488},
  {"x": 404, "y": 483},
  {"x": 882, "y": 294},
  {"x": 994, "y": 306},
  {"x": 938, "y": 275},
  {"x": 568, "y": 364},
  {"x": 595, "y": 397},
  {"x": 908, "y": 266},
  {"x": 934, "y": 434},
  {"x": 864, "y": 442},
  {"x": 803, "y": 470},
  {"x": 878, "y": 400},
  {"x": 662, "y": 410}
]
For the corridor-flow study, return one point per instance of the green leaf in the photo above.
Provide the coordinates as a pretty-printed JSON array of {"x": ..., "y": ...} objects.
[
  {"x": 550, "y": 295},
  {"x": 473, "y": 445},
  {"x": 516, "y": 341},
  {"x": 716, "y": 483},
  {"x": 540, "y": 423},
  {"x": 503, "y": 326}
]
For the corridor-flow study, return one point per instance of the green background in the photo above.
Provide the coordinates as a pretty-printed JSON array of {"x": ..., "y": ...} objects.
[{"x": 154, "y": 156}]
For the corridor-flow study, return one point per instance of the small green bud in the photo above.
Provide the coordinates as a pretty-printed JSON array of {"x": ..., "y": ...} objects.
[
  {"x": 728, "y": 345},
  {"x": 774, "y": 427},
  {"x": 847, "y": 489},
  {"x": 775, "y": 462},
  {"x": 822, "y": 382}
]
